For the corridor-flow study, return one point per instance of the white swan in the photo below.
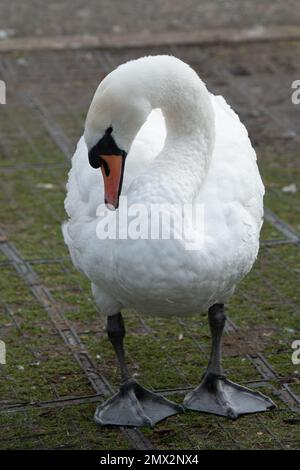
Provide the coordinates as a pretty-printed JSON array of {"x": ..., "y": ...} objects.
[{"x": 194, "y": 151}]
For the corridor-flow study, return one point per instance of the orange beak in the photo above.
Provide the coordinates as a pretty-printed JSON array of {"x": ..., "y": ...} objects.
[{"x": 112, "y": 167}]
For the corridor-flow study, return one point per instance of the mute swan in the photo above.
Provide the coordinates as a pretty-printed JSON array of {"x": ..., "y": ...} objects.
[{"x": 182, "y": 145}]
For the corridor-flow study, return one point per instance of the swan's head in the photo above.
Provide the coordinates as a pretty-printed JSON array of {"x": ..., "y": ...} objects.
[
  {"x": 116, "y": 114},
  {"x": 125, "y": 98}
]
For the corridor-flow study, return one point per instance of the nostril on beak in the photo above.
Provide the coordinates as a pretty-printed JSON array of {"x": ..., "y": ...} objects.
[{"x": 105, "y": 166}]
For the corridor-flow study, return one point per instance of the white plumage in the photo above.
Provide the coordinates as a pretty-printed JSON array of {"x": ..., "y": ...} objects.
[
  {"x": 185, "y": 147},
  {"x": 206, "y": 158}
]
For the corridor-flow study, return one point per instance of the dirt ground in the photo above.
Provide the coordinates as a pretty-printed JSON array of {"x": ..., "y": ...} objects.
[
  {"x": 59, "y": 361},
  {"x": 36, "y": 18}
]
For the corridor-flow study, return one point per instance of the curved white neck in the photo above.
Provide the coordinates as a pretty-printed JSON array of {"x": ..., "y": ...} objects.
[
  {"x": 126, "y": 97},
  {"x": 185, "y": 102}
]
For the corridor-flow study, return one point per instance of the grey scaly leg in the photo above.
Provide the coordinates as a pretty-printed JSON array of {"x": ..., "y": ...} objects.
[
  {"x": 133, "y": 405},
  {"x": 216, "y": 394}
]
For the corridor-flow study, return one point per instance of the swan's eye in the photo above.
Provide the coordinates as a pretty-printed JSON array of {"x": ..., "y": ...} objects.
[{"x": 105, "y": 146}]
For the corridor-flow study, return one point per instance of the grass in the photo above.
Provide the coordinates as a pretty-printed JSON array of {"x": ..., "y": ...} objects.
[{"x": 40, "y": 367}]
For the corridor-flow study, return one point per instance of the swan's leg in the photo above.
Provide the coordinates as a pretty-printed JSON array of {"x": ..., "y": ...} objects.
[
  {"x": 216, "y": 394},
  {"x": 116, "y": 333},
  {"x": 133, "y": 405}
]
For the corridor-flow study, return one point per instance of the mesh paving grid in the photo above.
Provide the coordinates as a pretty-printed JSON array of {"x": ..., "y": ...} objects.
[{"x": 59, "y": 361}]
